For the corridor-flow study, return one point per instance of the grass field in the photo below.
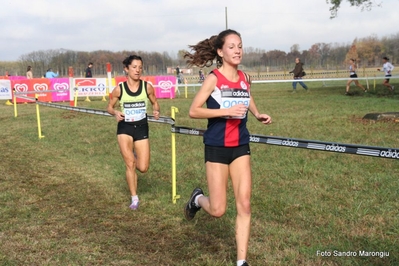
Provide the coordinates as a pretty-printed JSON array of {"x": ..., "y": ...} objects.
[{"x": 64, "y": 199}]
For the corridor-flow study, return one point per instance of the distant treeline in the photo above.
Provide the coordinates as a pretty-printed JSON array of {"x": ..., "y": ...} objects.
[{"x": 367, "y": 51}]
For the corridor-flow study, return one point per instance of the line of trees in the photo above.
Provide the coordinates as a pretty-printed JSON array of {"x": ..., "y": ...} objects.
[
  {"x": 367, "y": 51},
  {"x": 60, "y": 60}
]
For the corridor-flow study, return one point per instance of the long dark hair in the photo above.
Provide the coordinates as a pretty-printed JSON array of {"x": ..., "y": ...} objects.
[{"x": 206, "y": 50}]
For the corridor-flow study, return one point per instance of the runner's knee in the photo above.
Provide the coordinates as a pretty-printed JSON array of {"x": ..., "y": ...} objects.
[
  {"x": 244, "y": 206},
  {"x": 217, "y": 211}
]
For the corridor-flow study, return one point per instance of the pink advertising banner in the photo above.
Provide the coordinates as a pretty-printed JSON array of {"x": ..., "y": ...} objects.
[
  {"x": 32, "y": 87},
  {"x": 165, "y": 86},
  {"x": 16, "y": 77},
  {"x": 61, "y": 87}
]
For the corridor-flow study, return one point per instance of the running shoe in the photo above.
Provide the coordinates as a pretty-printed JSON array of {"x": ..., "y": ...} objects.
[
  {"x": 191, "y": 209},
  {"x": 392, "y": 88},
  {"x": 135, "y": 204}
]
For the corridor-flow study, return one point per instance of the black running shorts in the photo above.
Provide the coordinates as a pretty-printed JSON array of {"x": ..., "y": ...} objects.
[
  {"x": 137, "y": 132},
  {"x": 225, "y": 155}
]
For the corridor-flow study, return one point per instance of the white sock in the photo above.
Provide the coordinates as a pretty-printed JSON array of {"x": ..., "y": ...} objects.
[
  {"x": 240, "y": 262},
  {"x": 196, "y": 200},
  {"x": 135, "y": 198}
]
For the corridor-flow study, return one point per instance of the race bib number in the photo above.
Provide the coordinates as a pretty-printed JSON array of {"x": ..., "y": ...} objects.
[
  {"x": 134, "y": 111},
  {"x": 232, "y": 97}
]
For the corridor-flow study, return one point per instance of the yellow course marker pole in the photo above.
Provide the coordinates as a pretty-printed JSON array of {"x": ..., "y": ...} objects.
[
  {"x": 374, "y": 81},
  {"x": 39, "y": 128},
  {"x": 174, "y": 196},
  {"x": 15, "y": 104},
  {"x": 76, "y": 97}
]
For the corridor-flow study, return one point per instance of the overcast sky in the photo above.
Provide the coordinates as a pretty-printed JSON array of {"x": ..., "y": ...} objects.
[{"x": 169, "y": 26}]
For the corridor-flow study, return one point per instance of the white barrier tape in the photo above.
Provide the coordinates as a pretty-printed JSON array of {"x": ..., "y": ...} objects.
[
  {"x": 321, "y": 79},
  {"x": 37, "y": 92},
  {"x": 27, "y": 98},
  {"x": 162, "y": 119},
  {"x": 297, "y": 80},
  {"x": 382, "y": 152}
]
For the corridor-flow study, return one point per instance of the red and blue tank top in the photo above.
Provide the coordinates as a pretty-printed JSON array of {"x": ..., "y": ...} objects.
[{"x": 228, "y": 131}]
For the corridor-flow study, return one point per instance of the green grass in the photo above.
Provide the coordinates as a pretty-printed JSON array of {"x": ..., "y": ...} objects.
[{"x": 64, "y": 199}]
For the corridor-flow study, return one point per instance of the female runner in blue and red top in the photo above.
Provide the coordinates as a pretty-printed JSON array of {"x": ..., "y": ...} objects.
[
  {"x": 226, "y": 92},
  {"x": 228, "y": 131}
]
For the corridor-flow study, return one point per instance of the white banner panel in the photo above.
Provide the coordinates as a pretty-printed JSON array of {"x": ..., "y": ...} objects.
[
  {"x": 90, "y": 86},
  {"x": 5, "y": 89}
]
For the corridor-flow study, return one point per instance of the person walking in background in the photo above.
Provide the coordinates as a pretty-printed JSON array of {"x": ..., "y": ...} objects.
[
  {"x": 226, "y": 139},
  {"x": 353, "y": 76},
  {"x": 178, "y": 75},
  {"x": 298, "y": 74},
  {"x": 88, "y": 73},
  {"x": 132, "y": 129},
  {"x": 29, "y": 74},
  {"x": 201, "y": 76},
  {"x": 387, "y": 68},
  {"x": 50, "y": 74},
  {"x": 181, "y": 78}
]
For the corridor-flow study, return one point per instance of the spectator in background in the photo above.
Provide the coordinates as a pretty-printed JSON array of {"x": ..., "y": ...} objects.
[
  {"x": 387, "y": 68},
  {"x": 298, "y": 74},
  {"x": 29, "y": 74},
  {"x": 181, "y": 77},
  {"x": 178, "y": 74},
  {"x": 50, "y": 74},
  {"x": 88, "y": 73},
  {"x": 353, "y": 76},
  {"x": 201, "y": 76}
]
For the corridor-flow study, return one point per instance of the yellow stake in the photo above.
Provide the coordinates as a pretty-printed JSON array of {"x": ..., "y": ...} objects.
[
  {"x": 39, "y": 128},
  {"x": 15, "y": 105},
  {"x": 174, "y": 196},
  {"x": 76, "y": 97}
]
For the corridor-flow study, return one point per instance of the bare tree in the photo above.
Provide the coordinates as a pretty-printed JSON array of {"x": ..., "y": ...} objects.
[{"x": 363, "y": 4}]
